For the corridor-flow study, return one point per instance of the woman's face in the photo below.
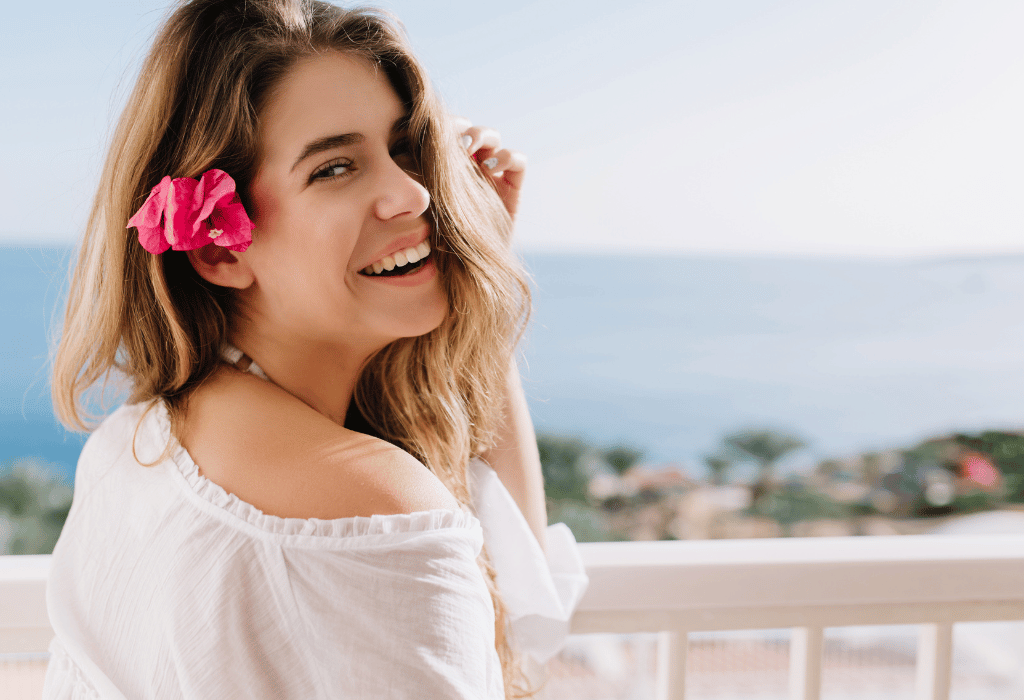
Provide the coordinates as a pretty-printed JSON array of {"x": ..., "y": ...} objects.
[{"x": 332, "y": 196}]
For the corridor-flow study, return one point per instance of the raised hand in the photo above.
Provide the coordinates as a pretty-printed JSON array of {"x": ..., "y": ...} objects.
[{"x": 505, "y": 167}]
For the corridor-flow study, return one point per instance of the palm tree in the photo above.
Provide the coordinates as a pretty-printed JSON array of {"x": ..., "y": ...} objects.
[
  {"x": 621, "y": 457},
  {"x": 763, "y": 447},
  {"x": 718, "y": 468}
]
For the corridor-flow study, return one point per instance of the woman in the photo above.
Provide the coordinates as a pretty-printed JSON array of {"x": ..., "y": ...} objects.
[{"x": 314, "y": 307}]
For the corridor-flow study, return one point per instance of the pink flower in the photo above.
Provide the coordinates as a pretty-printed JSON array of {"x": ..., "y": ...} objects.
[
  {"x": 980, "y": 470},
  {"x": 186, "y": 214}
]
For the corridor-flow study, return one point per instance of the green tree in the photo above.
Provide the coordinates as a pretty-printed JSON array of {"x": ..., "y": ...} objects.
[
  {"x": 1007, "y": 453},
  {"x": 793, "y": 502},
  {"x": 561, "y": 462},
  {"x": 718, "y": 468},
  {"x": 763, "y": 447},
  {"x": 34, "y": 503},
  {"x": 621, "y": 457}
]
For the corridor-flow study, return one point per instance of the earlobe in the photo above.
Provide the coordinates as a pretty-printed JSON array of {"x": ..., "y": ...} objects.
[{"x": 222, "y": 267}]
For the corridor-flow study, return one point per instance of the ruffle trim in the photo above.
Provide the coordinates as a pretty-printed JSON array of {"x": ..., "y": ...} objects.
[
  {"x": 62, "y": 673},
  {"x": 341, "y": 528}
]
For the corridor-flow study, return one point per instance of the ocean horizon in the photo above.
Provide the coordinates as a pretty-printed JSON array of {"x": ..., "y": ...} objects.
[{"x": 669, "y": 353}]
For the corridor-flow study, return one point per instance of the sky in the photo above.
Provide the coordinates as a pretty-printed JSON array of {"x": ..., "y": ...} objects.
[{"x": 749, "y": 127}]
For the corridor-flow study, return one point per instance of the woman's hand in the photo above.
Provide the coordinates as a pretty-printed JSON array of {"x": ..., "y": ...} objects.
[{"x": 506, "y": 168}]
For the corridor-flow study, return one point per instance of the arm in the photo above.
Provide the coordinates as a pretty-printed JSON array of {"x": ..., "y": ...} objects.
[
  {"x": 516, "y": 460},
  {"x": 514, "y": 456}
]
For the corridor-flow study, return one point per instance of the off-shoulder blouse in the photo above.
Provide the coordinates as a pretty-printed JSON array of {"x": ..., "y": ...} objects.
[{"x": 163, "y": 585}]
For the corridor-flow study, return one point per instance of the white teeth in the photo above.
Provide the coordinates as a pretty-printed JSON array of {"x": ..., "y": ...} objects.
[{"x": 399, "y": 259}]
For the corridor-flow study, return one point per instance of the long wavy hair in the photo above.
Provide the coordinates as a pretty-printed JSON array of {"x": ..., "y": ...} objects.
[{"x": 153, "y": 320}]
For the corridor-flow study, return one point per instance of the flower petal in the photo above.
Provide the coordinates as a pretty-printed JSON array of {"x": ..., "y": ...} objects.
[
  {"x": 235, "y": 225},
  {"x": 153, "y": 240},
  {"x": 179, "y": 215},
  {"x": 149, "y": 218},
  {"x": 216, "y": 188},
  {"x": 199, "y": 236}
]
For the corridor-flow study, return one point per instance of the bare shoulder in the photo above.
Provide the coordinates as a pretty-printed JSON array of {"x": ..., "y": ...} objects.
[{"x": 269, "y": 449}]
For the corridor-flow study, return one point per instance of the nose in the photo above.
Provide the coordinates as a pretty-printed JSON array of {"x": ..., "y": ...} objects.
[{"x": 401, "y": 194}]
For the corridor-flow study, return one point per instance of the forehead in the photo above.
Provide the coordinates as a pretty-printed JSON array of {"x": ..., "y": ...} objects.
[{"x": 326, "y": 95}]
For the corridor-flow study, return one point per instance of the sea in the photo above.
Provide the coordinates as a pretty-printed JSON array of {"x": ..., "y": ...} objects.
[{"x": 668, "y": 354}]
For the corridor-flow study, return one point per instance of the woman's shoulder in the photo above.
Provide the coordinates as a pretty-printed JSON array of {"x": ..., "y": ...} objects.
[{"x": 269, "y": 449}]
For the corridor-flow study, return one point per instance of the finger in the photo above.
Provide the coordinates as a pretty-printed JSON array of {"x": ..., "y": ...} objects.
[
  {"x": 504, "y": 160},
  {"x": 483, "y": 139},
  {"x": 461, "y": 125},
  {"x": 496, "y": 161},
  {"x": 516, "y": 162},
  {"x": 515, "y": 171}
]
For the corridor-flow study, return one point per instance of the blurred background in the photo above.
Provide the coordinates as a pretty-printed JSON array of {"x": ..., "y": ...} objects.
[{"x": 776, "y": 248}]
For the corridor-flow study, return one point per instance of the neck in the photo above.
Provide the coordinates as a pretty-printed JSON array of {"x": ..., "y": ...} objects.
[{"x": 321, "y": 374}]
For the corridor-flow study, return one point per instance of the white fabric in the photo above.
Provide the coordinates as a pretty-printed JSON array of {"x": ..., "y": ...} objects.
[
  {"x": 163, "y": 585},
  {"x": 539, "y": 592}
]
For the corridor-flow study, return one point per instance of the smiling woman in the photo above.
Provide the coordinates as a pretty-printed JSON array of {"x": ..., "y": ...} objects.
[
  {"x": 335, "y": 192},
  {"x": 316, "y": 307}
]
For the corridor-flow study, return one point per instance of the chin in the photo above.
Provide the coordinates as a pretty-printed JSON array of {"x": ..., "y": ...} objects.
[
  {"x": 432, "y": 323},
  {"x": 425, "y": 322}
]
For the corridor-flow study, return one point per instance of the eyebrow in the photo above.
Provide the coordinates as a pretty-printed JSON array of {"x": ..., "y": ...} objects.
[{"x": 326, "y": 143}]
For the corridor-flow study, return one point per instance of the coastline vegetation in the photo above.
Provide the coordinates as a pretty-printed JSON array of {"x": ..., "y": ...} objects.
[
  {"x": 34, "y": 503},
  {"x": 609, "y": 493}
]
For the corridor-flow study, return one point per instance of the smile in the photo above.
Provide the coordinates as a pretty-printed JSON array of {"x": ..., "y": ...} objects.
[{"x": 401, "y": 263}]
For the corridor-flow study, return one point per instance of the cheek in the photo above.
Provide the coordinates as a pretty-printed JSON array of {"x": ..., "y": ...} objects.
[{"x": 264, "y": 203}]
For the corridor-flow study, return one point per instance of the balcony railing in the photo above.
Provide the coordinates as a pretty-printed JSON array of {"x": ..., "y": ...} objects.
[{"x": 675, "y": 588}]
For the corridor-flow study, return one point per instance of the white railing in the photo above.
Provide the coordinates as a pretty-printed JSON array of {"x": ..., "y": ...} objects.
[
  {"x": 24, "y": 624},
  {"x": 806, "y": 584},
  {"x": 675, "y": 588}
]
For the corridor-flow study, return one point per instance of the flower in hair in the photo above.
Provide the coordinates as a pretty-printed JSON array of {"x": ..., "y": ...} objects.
[{"x": 186, "y": 214}]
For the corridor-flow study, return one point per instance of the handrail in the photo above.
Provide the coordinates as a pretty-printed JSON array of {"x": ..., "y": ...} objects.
[
  {"x": 24, "y": 623},
  {"x": 770, "y": 583},
  {"x": 806, "y": 584},
  {"x": 680, "y": 587}
]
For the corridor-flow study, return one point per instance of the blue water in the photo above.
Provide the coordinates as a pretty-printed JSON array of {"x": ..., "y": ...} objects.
[
  {"x": 32, "y": 283},
  {"x": 668, "y": 354}
]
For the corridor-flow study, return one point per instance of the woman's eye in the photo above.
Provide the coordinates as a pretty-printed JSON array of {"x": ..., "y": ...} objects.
[
  {"x": 402, "y": 154},
  {"x": 333, "y": 170}
]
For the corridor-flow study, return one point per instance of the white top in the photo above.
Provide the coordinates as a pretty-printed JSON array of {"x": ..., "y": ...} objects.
[{"x": 163, "y": 585}]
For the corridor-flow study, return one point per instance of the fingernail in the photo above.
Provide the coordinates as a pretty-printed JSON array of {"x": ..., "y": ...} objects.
[
  {"x": 466, "y": 140},
  {"x": 490, "y": 163}
]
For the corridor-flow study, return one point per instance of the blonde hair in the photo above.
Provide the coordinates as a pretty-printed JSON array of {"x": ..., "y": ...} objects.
[{"x": 152, "y": 319}]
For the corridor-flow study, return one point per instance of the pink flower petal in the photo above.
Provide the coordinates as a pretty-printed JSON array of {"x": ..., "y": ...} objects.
[
  {"x": 178, "y": 214},
  {"x": 235, "y": 224},
  {"x": 216, "y": 188},
  {"x": 149, "y": 219},
  {"x": 152, "y": 239}
]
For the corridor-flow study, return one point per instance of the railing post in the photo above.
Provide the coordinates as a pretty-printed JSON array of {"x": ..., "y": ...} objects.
[
  {"x": 805, "y": 650},
  {"x": 671, "y": 678},
  {"x": 934, "y": 661}
]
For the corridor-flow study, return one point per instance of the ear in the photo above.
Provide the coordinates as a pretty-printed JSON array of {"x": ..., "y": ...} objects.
[{"x": 220, "y": 266}]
